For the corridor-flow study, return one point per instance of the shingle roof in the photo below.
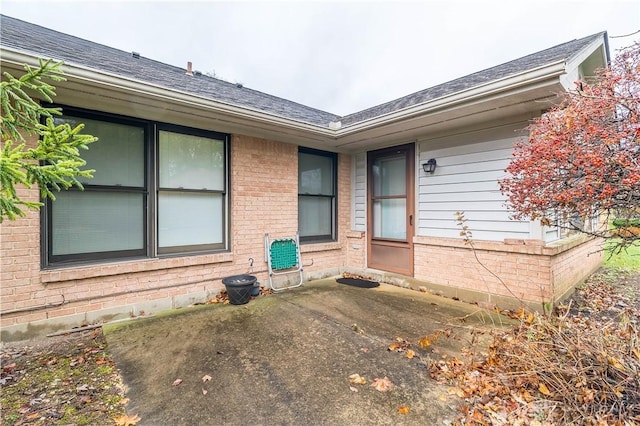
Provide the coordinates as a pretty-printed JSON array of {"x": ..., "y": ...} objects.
[
  {"x": 557, "y": 53},
  {"x": 47, "y": 43}
]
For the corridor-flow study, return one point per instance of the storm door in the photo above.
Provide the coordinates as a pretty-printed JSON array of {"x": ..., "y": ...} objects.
[{"x": 390, "y": 207}]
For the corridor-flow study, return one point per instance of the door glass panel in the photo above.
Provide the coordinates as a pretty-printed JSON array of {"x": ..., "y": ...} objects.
[
  {"x": 389, "y": 176},
  {"x": 389, "y": 218}
]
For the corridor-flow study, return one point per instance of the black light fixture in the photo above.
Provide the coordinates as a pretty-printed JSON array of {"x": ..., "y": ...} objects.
[{"x": 430, "y": 166}]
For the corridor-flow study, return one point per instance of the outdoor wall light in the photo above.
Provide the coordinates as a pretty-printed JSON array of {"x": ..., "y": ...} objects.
[{"x": 430, "y": 166}]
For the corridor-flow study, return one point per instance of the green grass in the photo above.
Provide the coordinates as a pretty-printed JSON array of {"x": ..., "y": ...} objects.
[{"x": 627, "y": 259}]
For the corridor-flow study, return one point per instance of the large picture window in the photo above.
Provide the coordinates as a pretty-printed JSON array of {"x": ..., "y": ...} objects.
[
  {"x": 317, "y": 181},
  {"x": 157, "y": 189}
]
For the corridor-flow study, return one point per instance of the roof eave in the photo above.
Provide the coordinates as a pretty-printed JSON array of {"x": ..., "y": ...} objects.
[
  {"x": 123, "y": 84},
  {"x": 253, "y": 117},
  {"x": 514, "y": 82}
]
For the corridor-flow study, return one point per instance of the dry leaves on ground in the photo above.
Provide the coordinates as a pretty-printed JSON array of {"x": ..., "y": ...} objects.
[
  {"x": 581, "y": 367},
  {"x": 356, "y": 379},
  {"x": 126, "y": 420},
  {"x": 403, "y": 409},
  {"x": 62, "y": 380},
  {"x": 382, "y": 385}
]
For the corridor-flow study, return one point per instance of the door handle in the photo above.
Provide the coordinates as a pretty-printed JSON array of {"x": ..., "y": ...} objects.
[{"x": 410, "y": 220}]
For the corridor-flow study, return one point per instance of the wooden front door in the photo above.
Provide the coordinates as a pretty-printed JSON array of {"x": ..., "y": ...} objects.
[{"x": 390, "y": 204}]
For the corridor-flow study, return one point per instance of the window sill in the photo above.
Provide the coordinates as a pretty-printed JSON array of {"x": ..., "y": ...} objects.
[
  {"x": 315, "y": 247},
  {"x": 130, "y": 266}
]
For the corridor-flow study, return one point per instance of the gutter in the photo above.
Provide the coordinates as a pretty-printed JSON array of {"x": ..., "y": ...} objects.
[
  {"x": 550, "y": 71},
  {"x": 333, "y": 130},
  {"x": 126, "y": 85}
]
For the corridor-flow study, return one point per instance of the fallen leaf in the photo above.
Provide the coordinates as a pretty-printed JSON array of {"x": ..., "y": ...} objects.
[
  {"x": 364, "y": 350},
  {"x": 544, "y": 389},
  {"x": 526, "y": 396},
  {"x": 410, "y": 354},
  {"x": 618, "y": 391},
  {"x": 352, "y": 389},
  {"x": 394, "y": 347},
  {"x": 9, "y": 367},
  {"x": 357, "y": 379},
  {"x": 382, "y": 385},
  {"x": 530, "y": 318},
  {"x": 403, "y": 409},
  {"x": 204, "y": 391},
  {"x": 126, "y": 420},
  {"x": 478, "y": 417},
  {"x": 176, "y": 382},
  {"x": 615, "y": 363},
  {"x": 206, "y": 378},
  {"x": 76, "y": 361},
  {"x": 357, "y": 328},
  {"x": 427, "y": 341},
  {"x": 456, "y": 391}
]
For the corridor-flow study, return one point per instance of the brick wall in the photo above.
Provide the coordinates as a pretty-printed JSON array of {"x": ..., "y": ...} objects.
[
  {"x": 263, "y": 199},
  {"x": 573, "y": 266},
  {"x": 357, "y": 249},
  {"x": 527, "y": 270}
]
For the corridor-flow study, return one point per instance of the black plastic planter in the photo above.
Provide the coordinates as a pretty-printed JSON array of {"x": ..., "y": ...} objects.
[{"x": 239, "y": 288}]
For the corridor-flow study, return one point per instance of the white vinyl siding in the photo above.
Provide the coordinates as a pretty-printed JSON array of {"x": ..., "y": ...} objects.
[
  {"x": 551, "y": 233},
  {"x": 466, "y": 180},
  {"x": 360, "y": 193}
]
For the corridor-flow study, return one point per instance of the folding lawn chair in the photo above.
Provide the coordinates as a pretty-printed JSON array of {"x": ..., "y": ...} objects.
[{"x": 283, "y": 257}]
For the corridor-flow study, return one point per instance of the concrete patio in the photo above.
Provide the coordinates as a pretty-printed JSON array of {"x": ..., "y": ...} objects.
[{"x": 286, "y": 358}]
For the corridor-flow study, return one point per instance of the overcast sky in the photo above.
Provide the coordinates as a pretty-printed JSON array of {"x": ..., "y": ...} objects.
[{"x": 341, "y": 56}]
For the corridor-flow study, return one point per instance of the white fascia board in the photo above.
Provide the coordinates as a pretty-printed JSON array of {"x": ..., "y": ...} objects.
[
  {"x": 549, "y": 71},
  {"x": 568, "y": 80},
  {"x": 125, "y": 85}
]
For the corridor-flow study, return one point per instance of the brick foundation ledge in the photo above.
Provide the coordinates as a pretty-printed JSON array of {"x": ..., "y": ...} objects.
[{"x": 523, "y": 246}]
